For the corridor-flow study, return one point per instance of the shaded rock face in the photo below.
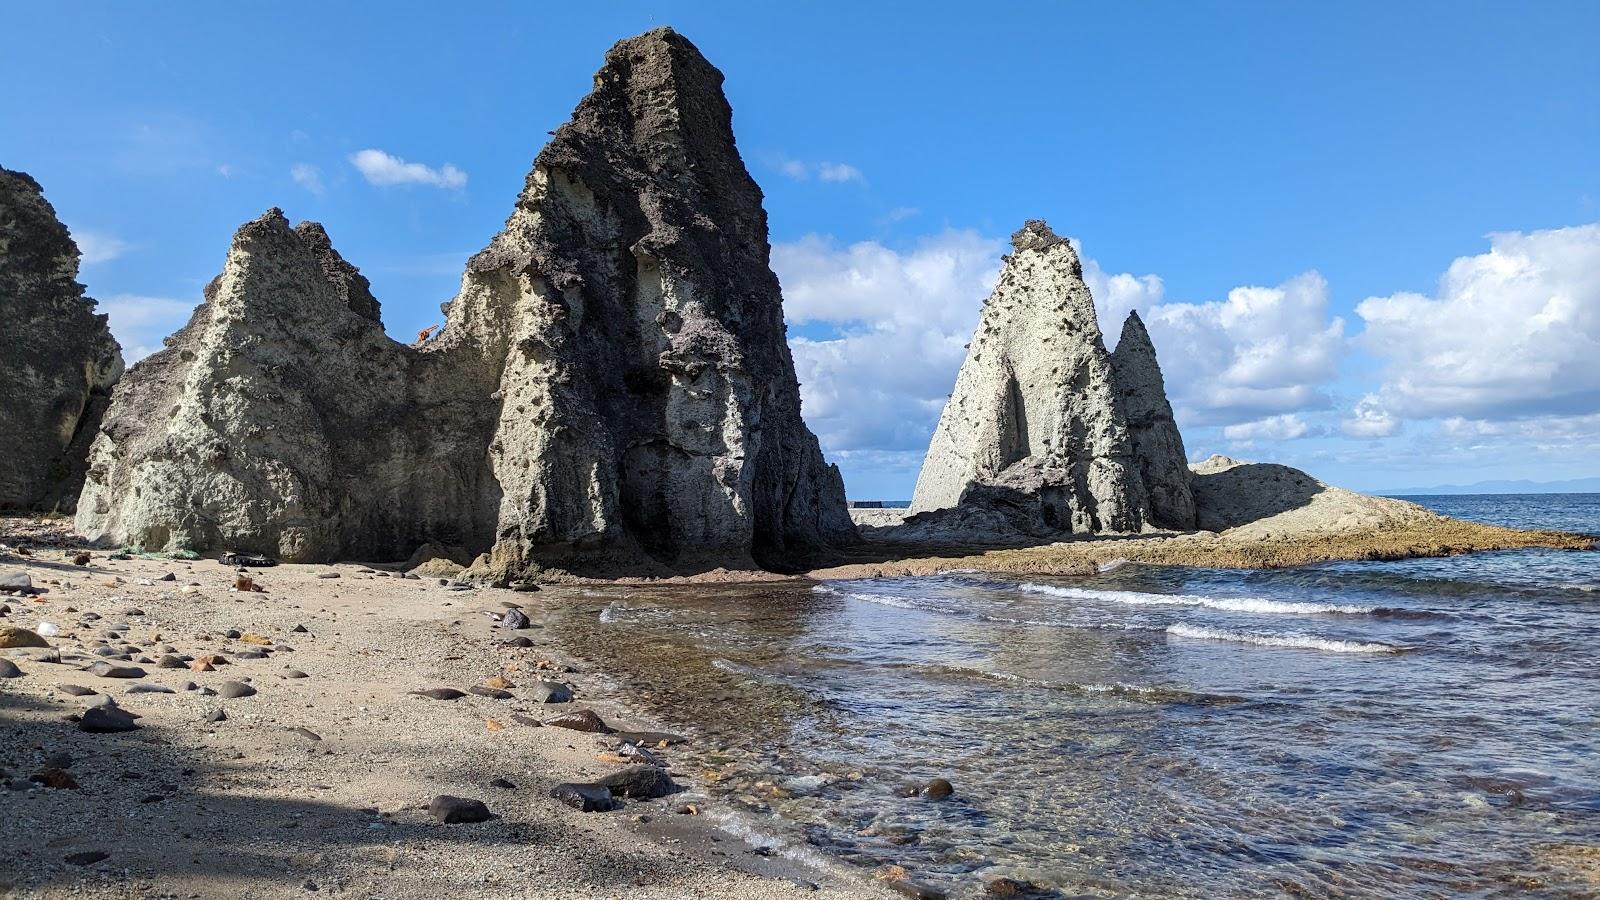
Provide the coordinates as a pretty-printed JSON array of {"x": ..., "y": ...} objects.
[
  {"x": 650, "y": 403},
  {"x": 58, "y": 361},
  {"x": 1157, "y": 445},
  {"x": 611, "y": 393},
  {"x": 1033, "y": 423}
]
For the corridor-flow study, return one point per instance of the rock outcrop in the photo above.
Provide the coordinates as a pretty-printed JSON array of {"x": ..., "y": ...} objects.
[
  {"x": 611, "y": 394},
  {"x": 59, "y": 360},
  {"x": 1157, "y": 445},
  {"x": 1033, "y": 425}
]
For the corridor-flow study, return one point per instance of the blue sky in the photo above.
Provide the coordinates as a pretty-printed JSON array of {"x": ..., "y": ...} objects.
[{"x": 1300, "y": 198}]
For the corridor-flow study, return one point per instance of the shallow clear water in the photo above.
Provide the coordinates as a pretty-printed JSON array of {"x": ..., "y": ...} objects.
[{"x": 1411, "y": 728}]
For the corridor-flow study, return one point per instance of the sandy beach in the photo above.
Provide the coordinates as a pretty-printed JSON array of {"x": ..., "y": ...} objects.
[{"x": 321, "y": 781}]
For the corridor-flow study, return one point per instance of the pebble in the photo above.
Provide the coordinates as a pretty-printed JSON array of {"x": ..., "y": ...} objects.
[
  {"x": 169, "y": 661},
  {"x": 458, "y": 810},
  {"x": 107, "y": 670},
  {"x": 85, "y": 858},
  {"x": 640, "y": 783},
  {"x": 584, "y": 797},
  {"x": 579, "y": 720},
  {"x": 300, "y": 629},
  {"x": 502, "y": 784},
  {"x": 938, "y": 789},
  {"x": 294, "y": 673},
  {"x": 216, "y": 715},
  {"x": 149, "y": 689},
  {"x": 233, "y": 690},
  {"x": 105, "y": 719},
  {"x": 307, "y": 733},
  {"x": 440, "y": 693},
  {"x": 491, "y": 693},
  {"x": 8, "y": 669},
  {"x": 514, "y": 619},
  {"x": 75, "y": 690},
  {"x": 551, "y": 692},
  {"x": 519, "y": 641},
  {"x": 12, "y": 636}
]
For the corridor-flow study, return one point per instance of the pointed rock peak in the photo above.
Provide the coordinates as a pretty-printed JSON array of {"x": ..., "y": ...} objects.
[
  {"x": 1036, "y": 234},
  {"x": 347, "y": 280},
  {"x": 1135, "y": 337},
  {"x": 1157, "y": 444}
]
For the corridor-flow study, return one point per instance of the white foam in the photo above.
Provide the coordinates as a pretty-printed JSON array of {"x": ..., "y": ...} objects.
[
  {"x": 1226, "y": 604},
  {"x": 1290, "y": 641}
]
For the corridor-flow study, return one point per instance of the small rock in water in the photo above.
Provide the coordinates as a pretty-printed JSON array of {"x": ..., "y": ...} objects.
[
  {"x": 579, "y": 720},
  {"x": 551, "y": 692},
  {"x": 458, "y": 810},
  {"x": 640, "y": 783},
  {"x": 440, "y": 693},
  {"x": 107, "y": 670},
  {"x": 233, "y": 690},
  {"x": 514, "y": 619},
  {"x": 8, "y": 669},
  {"x": 584, "y": 797},
  {"x": 938, "y": 789},
  {"x": 105, "y": 719}
]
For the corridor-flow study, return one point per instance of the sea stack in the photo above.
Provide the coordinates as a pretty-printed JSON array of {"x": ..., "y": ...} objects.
[
  {"x": 60, "y": 360},
  {"x": 612, "y": 392},
  {"x": 282, "y": 420},
  {"x": 1034, "y": 422},
  {"x": 1157, "y": 445}
]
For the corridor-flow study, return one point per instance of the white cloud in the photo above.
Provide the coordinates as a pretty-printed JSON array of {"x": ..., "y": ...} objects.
[
  {"x": 1117, "y": 295},
  {"x": 97, "y": 247},
  {"x": 307, "y": 176},
  {"x": 832, "y": 172},
  {"x": 1370, "y": 419},
  {"x": 1261, "y": 352},
  {"x": 139, "y": 323},
  {"x": 1512, "y": 333},
  {"x": 906, "y": 317},
  {"x": 384, "y": 170},
  {"x": 1286, "y": 427}
]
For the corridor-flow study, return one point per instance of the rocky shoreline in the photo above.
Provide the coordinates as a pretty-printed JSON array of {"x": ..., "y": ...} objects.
[{"x": 328, "y": 728}]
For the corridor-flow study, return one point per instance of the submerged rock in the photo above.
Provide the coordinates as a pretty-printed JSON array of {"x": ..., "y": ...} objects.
[
  {"x": 612, "y": 391},
  {"x": 1157, "y": 445},
  {"x": 1033, "y": 428},
  {"x": 60, "y": 359}
]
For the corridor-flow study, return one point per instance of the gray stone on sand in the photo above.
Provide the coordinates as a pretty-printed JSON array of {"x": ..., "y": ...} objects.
[
  {"x": 551, "y": 692},
  {"x": 640, "y": 783},
  {"x": 584, "y": 797},
  {"x": 234, "y": 690},
  {"x": 458, "y": 810}
]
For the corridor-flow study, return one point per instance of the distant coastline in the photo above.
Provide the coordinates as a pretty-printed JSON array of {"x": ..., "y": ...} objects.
[{"x": 1501, "y": 486}]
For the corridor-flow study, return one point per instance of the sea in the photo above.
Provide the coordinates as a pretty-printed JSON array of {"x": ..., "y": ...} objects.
[{"x": 1419, "y": 728}]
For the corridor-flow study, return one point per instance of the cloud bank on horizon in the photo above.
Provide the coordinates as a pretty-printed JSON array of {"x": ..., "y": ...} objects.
[{"x": 1508, "y": 346}]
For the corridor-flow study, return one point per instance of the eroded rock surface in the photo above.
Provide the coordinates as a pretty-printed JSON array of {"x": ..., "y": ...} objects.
[
  {"x": 1033, "y": 428},
  {"x": 611, "y": 394},
  {"x": 59, "y": 360},
  {"x": 1157, "y": 445}
]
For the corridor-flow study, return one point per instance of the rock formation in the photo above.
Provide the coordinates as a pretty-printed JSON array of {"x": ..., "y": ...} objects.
[
  {"x": 59, "y": 360},
  {"x": 1157, "y": 445},
  {"x": 612, "y": 391},
  {"x": 1033, "y": 424}
]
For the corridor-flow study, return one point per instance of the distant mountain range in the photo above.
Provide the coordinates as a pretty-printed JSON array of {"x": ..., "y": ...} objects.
[{"x": 1570, "y": 486}]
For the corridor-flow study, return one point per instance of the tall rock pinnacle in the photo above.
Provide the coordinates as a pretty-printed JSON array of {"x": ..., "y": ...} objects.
[
  {"x": 611, "y": 394},
  {"x": 1156, "y": 442},
  {"x": 59, "y": 359},
  {"x": 1034, "y": 412}
]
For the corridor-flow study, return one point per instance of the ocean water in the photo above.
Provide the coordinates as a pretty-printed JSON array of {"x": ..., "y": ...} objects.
[{"x": 1412, "y": 728}]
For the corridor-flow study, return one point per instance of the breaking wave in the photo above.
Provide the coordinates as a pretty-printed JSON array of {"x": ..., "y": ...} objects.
[
  {"x": 1290, "y": 641},
  {"x": 1227, "y": 604}
]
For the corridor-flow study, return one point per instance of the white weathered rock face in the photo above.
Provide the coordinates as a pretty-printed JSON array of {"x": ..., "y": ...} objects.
[
  {"x": 58, "y": 360},
  {"x": 611, "y": 394},
  {"x": 1033, "y": 423},
  {"x": 1157, "y": 445}
]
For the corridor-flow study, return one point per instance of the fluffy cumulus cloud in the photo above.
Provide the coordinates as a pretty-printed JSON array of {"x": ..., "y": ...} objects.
[
  {"x": 1116, "y": 295},
  {"x": 1286, "y": 427},
  {"x": 1511, "y": 333},
  {"x": 901, "y": 321},
  {"x": 1369, "y": 418},
  {"x": 1264, "y": 351},
  {"x": 386, "y": 170},
  {"x": 140, "y": 323}
]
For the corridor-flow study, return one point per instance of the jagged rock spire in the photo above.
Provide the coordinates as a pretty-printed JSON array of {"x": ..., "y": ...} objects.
[
  {"x": 59, "y": 360},
  {"x": 1157, "y": 445},
  {"x": 1034, "y": 412}
]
